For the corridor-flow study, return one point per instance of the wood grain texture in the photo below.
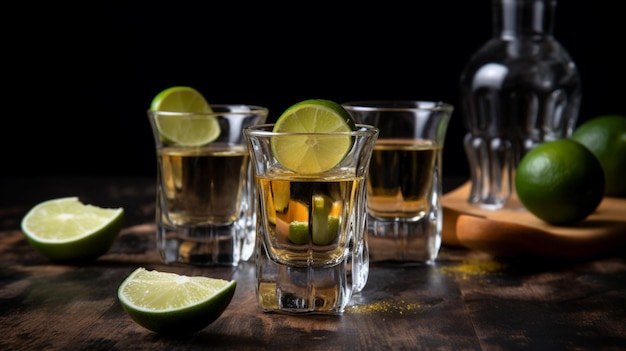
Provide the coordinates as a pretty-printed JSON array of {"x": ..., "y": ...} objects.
[
  {"x": 516, "y": 232},
  {"x": 467, "y": 300}
]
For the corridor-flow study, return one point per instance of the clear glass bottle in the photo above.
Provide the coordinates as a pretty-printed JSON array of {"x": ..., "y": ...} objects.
[{"x": 519, "y": 89}]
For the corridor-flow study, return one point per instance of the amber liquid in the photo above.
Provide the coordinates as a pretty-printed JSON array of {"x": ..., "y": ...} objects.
[
  {"x": 308, "y": 276},
  {"x": 289, "y": 200},
  {"x": 202, "y": 186},
  {"x": 199, "y": 205},
  {"x": 401, "y": 178}
]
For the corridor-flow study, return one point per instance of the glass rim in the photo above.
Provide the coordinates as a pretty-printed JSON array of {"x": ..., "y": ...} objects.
[
  {"x": 230, "y": 109},
  {"x": 266, "y": 130},
  {"x": 397, "y": 105}
]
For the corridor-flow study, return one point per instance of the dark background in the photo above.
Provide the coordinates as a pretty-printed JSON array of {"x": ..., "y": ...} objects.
[{"x": 78, "y": 79}]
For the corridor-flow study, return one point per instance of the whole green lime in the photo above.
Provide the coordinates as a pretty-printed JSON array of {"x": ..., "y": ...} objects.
[
  {"x": 605, "y": 136},
  {"x": 560, "y": 181}
]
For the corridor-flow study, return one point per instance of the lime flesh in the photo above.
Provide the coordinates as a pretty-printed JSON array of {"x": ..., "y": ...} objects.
[
  {"x": 183, "y": 117},
  {"x": 169, "y": 303},
  {"x": 65, "y": 229},
  {"x": 313, "y": 148},
  {"x": 180, "y": 99}
]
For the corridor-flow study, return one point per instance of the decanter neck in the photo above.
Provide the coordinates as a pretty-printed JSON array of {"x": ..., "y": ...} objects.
[{"x": 523, "y": 18}]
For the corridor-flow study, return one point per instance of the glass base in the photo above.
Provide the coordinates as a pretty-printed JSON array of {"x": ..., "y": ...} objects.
[
  {"x": 203, "y": 245},
  {"x": 314, "y": 289},
  {"x": 404, "y": 240}
]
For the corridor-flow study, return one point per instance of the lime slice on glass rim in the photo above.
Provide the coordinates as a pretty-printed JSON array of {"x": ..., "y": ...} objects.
[
  {"x": 65, "y": 229},
  {"x": 313, "y": 151},
  {"x": 169, "y": 303},
  {"x": 193, "y": 127}
]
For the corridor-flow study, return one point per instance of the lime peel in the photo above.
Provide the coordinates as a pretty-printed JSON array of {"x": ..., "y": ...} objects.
[
  {"x": 560, "y": 182},
  {"x": 605, "y": 137}
]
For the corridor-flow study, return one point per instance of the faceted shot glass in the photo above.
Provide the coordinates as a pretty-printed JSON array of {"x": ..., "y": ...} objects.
[
  {"x": 205, "y": 203},
  {"x": 311, "y": 248},
  {"x": 404, "y": 182}
]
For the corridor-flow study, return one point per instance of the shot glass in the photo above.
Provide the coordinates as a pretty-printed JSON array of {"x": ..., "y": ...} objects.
[
  {"x": 311, "y": 249},
  {"x": 404, "y": 181},
  {"x": 205, "y": 199}
]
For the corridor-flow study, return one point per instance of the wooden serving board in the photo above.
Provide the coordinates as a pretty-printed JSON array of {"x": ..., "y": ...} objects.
[{"x": 513, "y": 232}]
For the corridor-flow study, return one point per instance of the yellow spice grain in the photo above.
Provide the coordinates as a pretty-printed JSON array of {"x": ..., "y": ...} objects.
[
  {"x": 470, "y": 268},
  {"x": 400, "y": 307}
]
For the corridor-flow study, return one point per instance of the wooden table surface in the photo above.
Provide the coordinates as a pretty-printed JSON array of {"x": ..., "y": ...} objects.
[{"x": 467, "y": 300}]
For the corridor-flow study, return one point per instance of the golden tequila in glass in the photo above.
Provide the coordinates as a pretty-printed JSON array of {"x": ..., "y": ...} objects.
[
  {"x": 311, "y": 250},
  {"x": 306, "y": 225},
  {"x": 404, "y": 181},
  {"x": 400, "y": 178},
  {"x": 205, "y": 206},
  {"x": 199, "y": 185},
  {"x": 201, "y": 202}
]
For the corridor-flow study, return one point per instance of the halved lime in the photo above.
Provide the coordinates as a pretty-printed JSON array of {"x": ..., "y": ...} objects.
[
  {"x": 169, "y": 303},
  {"x": 314, "y": 150},
  {"x": 195, "y": 126},
  {"x": 65, "y": 229}
]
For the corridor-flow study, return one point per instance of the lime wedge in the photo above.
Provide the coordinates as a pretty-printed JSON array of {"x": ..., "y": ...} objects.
[
  {"x": 325, "y": 227},
  {"x": 194, "y": 127},
  {"x": 315, "y": 151},
  {"x": 170, "y": 303},
  {"x": 65, "y": 229}
]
